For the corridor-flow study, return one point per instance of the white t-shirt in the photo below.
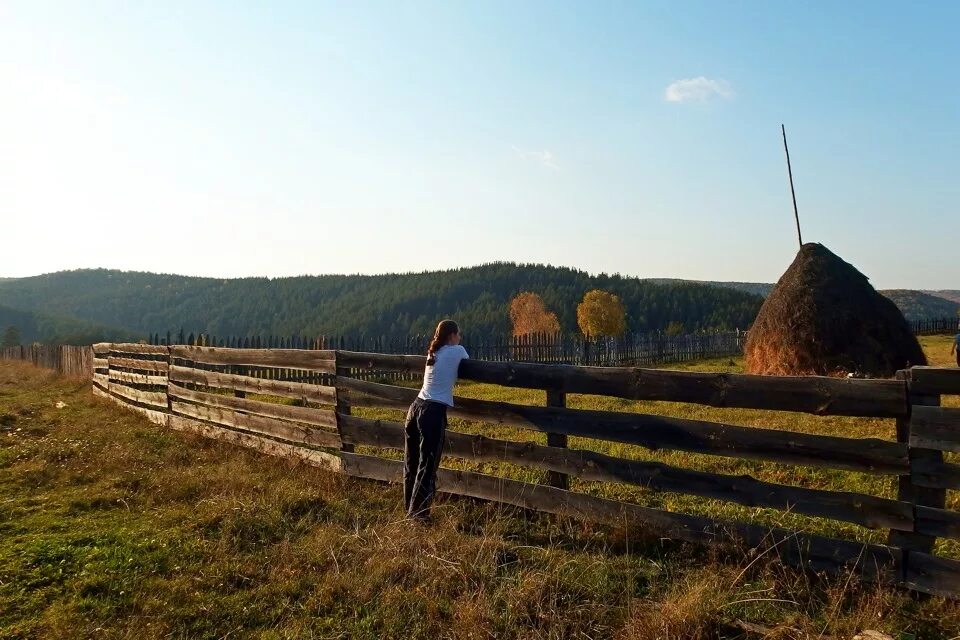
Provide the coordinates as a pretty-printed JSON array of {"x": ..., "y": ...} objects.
[{"x": 439, "y": 379}]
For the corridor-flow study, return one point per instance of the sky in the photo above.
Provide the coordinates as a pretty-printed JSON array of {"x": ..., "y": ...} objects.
[{"x": 641, "y": 138}]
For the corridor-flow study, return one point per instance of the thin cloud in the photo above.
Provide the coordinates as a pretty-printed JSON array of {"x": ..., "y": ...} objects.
[
  {"x": 544, "y": 158},
  {"x": 699, "y": 89}
]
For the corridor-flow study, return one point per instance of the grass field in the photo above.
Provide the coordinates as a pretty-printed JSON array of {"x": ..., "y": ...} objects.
[{"x": 115, "y": 528}]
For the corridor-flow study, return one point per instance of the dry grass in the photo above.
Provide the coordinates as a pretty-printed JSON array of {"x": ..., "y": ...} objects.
[{"x": 115, "y": 528}]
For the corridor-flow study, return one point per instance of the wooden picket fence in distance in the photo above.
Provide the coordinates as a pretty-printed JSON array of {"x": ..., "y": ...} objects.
[
  {"x": 66, "y": 360},
  {"x": 936, "y": 326},
  {"x": 631, "y": 349},
  {"x": 242, "y": 396}
]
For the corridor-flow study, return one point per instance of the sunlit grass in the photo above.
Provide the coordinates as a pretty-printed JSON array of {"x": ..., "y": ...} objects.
[{"x": 114, "y": 527}]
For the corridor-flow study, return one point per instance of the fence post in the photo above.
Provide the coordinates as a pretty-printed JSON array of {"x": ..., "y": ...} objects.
[
  {"x": 906, "y": 489},
  {"x": 237, "y": 393},
  {"x": 555, "y": 478},
  {"x": 169, "y": 360},
  {"x": 343, "y": 405}
]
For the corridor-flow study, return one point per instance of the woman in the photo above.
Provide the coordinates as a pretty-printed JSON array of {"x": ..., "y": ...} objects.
[
  {"x": 427, "y": 420},
  {"x": 955, "y": 348}
]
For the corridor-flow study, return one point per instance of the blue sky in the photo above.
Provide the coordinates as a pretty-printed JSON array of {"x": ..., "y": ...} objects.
[{"x": 232, "y": 139}]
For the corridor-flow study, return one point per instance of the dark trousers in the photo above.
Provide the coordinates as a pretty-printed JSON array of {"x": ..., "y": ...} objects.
[{"x": 425, "y": 428}]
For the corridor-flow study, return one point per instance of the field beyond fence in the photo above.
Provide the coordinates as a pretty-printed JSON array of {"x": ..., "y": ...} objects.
[
  {"x": 636, "y": 349},
  {"x": 316, "y": 406},
  {"x": 629, "y": 349}
]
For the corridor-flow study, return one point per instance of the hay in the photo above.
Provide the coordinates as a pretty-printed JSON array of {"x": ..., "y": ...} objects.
[{"x": 824, "y": 318}]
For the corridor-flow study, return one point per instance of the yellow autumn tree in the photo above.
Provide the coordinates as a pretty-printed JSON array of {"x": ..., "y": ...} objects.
[
  {"x": 601, "y": 314},
  {"x": 529, "y": 314}
]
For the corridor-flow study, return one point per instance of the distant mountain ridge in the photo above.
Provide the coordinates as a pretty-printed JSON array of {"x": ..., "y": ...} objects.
[
  {"x": 756, "y": 288},
  {"x": 918, "y": 305},
  {"x": 51, "y": 329},
  {"x": 388, "y": 304},
  {"x": 914, "y": 304},
  {"x": 949, "y": 294},
  {"x": 106, "y": 304}
]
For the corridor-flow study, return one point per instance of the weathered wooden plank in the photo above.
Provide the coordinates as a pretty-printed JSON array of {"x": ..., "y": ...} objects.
[
  {"x": 102, "y": 349},
  {"x": 394, "y": 397},
  {"x": 816, "y": 553},
  {"x": 868, "y": 511},
  {"x": 305, "y": 415},
  {"x": 152, "y": 398},
  {"x": 322, "y": 361},
  {"x": 132, "y": 347},
  {"x": 136, "y": 363},
  {"x": 100, "y": 363},
  {"x": 101, "y": 379},
  {"x": 935, "y": 428},
  {"x": 931, "y": 574},
  {"x": 297, "y": 390},
  {"x": 260, "y": 424},
  {"x": 935, "y": 380},
  {"x": 371, "y": 467},
  {"x": 936, "y": 475},
  {"x": 810, "y": 394},
  {"x": 654, "y": 432},
  {"x": 937, "y": 522},
  {"x": 137, "y": 378},
  {"x": 382, "y": 362},
  {"x": 263, "y": 445},
  {"x": 157, "y": 417}
]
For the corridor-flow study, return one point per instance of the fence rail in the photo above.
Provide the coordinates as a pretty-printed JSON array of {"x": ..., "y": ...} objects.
[{"x": 243, "y": 396}]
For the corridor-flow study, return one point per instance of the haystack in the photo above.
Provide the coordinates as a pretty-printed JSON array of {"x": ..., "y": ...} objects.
[{"x": 824, "y": 318}]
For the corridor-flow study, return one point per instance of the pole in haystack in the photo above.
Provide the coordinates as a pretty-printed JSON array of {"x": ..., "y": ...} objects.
[{"x": 793, "y": 193}]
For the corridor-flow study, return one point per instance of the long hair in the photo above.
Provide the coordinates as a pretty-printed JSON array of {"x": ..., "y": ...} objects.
[{"x": 441, "y": 336}]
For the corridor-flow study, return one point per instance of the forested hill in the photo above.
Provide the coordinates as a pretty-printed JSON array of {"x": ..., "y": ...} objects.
[
  {"x": 917, "y": 305},
  {"x": 757, "y": 288},
  {"x": 383, "y": 304},
  {"x": 914, "y": 304},
  {"x": 32, "y": 326},
  {"x": 949, "y": 294}
]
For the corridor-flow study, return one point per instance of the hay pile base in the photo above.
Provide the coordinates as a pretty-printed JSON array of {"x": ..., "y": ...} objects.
[{"x": 824, "y": 318}]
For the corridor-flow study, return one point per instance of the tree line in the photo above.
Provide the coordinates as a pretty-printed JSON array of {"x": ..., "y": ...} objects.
[
  {"x": 25, "y": 327},
  {"x": 391, "y": 304}
]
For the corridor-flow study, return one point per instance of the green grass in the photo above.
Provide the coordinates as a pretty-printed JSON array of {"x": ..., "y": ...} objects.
[{"x": 113, "y": 527}]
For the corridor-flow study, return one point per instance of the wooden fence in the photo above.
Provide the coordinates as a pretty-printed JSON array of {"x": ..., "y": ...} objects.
[
  {"x": 631, "y": 349},
  {"x": 65, "y": 359},
  {"x": 936, "y": 326},
  {"x": 243, "y": 396}
]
